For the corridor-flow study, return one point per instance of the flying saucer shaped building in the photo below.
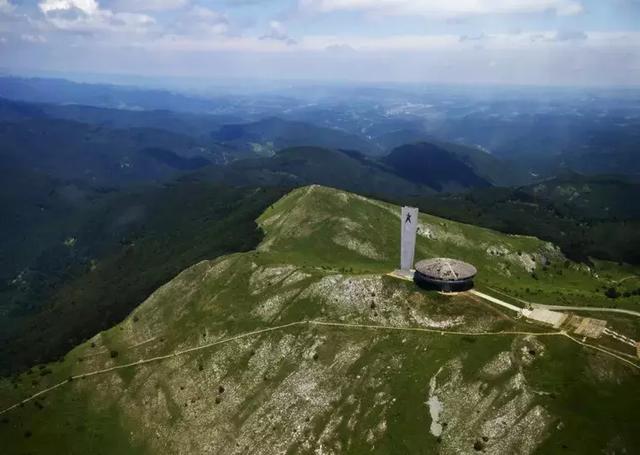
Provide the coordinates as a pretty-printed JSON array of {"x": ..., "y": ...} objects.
[{"x": 444, "y": 274}]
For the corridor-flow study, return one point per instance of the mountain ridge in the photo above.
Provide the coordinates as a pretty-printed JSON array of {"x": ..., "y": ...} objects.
[{"x": 345, "y": 383}]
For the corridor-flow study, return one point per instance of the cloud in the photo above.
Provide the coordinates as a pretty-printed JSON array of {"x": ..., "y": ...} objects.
[
  {"x": 278, "y": 32},
  {"x": 35, "y": 39},
  {"x": 86, "y": 16},
  {"x": 490, "y": 41},
  {"x": 206, "y": 14},
  {"x": 184, "y": 36},
  {"x": 86, "y": 6},
  {"x": 343, "y": 49},
  {"x": 448, "y": 8},
  {"x": 570, "y": 35},
  {"x": 148, "y": 5},
  {"x": 562, "y": 36},
  {"x": 473, "y": 37},
  {"x": 199, "y": 21},
  {"x": 382, "y": 47},
  {"x": 6, "y": 7}
]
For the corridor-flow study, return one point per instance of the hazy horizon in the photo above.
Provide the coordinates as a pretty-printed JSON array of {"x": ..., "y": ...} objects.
[
  {"x": 532, "y": 42},
  {"x": 200, "y": 85}
]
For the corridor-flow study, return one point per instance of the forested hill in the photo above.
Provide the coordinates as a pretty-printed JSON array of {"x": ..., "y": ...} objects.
[{"x": 589, "y": 217}]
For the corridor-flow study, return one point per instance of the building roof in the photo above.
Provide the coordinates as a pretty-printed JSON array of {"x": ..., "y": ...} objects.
[{"x": 446, "y": 269}]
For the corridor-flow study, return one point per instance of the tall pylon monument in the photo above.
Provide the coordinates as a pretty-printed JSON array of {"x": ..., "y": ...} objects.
[{"x": 408, "y": 229}]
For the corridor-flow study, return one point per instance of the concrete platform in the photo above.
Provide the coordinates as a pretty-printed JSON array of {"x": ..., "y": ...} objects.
[
  {"x": 547, "y": 317},
  {"x": 403, "y": 274},
  {"x": 588, "y": 327}
]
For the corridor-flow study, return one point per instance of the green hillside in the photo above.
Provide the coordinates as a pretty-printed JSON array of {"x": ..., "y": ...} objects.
[
  {"x": 271, "y": 134},
  {"x": 298, "y": 166},
  {"x": 305, "y": 345},
  {"x": 433, "y": 166},
  {"x": 498, "y": 171},
  {"x": 77, "y": 260},
  {"x": 586, "y": 216},
  {"x": 102, "y": 156}
]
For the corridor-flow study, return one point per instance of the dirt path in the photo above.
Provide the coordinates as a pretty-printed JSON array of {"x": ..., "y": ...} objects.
[
  {"x": 309, "y": 323},
  {"x": 149, "y": 360},
  {"x": 427, "y": 330},
  {"x": 606, "y": 351},
  {"x": 625, "y": 279}
]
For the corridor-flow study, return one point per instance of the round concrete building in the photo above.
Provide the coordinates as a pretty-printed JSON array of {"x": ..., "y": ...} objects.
[{"x": 444, "y": 274}]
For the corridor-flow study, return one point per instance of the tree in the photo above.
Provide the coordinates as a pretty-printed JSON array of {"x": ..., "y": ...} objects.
[{"x": 612, "y": 293}]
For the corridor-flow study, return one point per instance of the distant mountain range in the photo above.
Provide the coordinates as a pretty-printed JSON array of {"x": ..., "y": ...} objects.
[
  {"x": 430, "y": 165},
  {"x": 277, "y": 134},
  {"x": 61, "y": 91},
  {"x": 399, "y": 175},
  {"x": 552, "y": 143},
  {"x": 101, "y": 156},
  {"x": 541, "y": 133},
  {"x": 88, "y": 201},
  {"x": 92, "y": 195},
  {"x": 95, "y": 146}
]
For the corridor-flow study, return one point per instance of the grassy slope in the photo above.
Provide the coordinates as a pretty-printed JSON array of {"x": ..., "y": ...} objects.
[
  {"x": 126, "y": 245},
  {"x": 344, "y": 390},
  {"x": 434, "y": 166},
  {"x": 275, "y": 132},
  {"x": 484, "y": 164},
  {"x": 586, "y": 216},
  {"x": 306, "y": 165}
]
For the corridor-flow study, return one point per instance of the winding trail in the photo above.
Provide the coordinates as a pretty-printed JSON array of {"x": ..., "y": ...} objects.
[
  {"x": 150, "y": 360},
  {"x": 606, "y": 351},
  {"x": 310, "y": 323},
  {"x": 625, "y": 279}
]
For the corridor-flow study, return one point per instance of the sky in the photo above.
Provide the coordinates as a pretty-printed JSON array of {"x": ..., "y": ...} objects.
[{"x": 531, "y": 42}]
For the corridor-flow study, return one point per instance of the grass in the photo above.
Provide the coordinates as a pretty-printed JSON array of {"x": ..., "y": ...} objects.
[
  {"x": 178, "y": 226},
  {"x": 77, "y": 427},
  {"x": 590, "y": 409},
  {"x": 366, "y": 390},
  {"x": 589, "y": 217}
]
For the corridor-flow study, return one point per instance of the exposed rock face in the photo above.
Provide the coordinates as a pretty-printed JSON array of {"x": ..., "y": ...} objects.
[
  {"x": 483, "y": 416},
  {"x": 288, "y": 349}
]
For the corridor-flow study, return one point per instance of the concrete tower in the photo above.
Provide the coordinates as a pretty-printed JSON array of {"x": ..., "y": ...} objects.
[{"x": 408, "y": 228}]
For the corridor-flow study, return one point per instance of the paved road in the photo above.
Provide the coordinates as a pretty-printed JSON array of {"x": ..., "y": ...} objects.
[
  {"x": 502, "y": 303},
  {"x": 586, "y": 308},
  {"x": 573, "y": 308}
]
